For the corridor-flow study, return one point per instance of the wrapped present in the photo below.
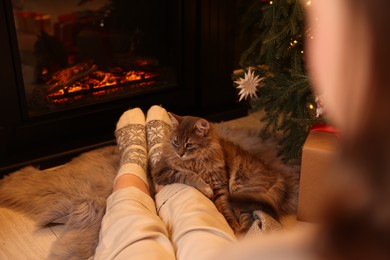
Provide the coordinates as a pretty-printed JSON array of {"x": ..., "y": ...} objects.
[{"x": 318, "y": 155}]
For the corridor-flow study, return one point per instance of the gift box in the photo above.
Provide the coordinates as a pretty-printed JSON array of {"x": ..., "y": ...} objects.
[{"x": 318, "y": 155}]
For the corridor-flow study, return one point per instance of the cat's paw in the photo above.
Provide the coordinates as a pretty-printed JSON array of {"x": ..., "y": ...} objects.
[{"x": 207, "y": 191}]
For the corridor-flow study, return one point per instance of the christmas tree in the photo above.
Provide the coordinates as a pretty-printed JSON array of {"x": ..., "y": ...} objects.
[{"x": 273, "y": 73}]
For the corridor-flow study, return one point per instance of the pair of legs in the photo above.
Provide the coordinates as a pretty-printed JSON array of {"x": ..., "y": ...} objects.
[{"x": 180, "y": 224}]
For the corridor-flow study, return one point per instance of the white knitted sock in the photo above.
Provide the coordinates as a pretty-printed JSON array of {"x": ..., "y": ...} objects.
[
  {"x": 131, "y": 139},
  {"x": 158, "y": 127}
]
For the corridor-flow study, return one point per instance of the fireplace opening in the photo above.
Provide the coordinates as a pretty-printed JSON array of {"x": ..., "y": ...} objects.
[
  {"x": 85, "y": 83},
  {"x": 75, "y": 53}
]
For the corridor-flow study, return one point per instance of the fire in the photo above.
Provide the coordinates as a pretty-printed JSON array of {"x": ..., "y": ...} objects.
[{"x": 83, "y": 79}]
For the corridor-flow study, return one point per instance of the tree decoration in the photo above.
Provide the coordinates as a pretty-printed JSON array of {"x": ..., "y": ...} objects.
[
  {"x": 320, "y": 110},
  {"x": 277, "y": 53},
  {"x": 248, "y": 85}
]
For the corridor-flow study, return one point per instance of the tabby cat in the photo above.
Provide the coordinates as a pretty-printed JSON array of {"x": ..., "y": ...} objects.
[{"x": 237, "y": 181}]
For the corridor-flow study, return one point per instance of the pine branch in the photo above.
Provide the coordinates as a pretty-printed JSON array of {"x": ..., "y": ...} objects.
[{"x": 276, "y": 53}]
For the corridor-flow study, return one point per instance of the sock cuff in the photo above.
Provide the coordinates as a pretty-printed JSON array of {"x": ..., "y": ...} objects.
[{"x": 133, "y": 169}]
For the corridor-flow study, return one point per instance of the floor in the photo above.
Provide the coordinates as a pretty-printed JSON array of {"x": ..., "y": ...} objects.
[{"x": 21, "y": 239}]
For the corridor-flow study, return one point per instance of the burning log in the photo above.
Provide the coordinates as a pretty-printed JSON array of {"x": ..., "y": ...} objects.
[
  {"x": 69, "y": 76},
  {"x": 84, "y": 82},
  {"x": 84, "y": 79}
]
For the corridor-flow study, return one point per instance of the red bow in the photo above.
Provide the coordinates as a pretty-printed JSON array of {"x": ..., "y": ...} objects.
[{"x": 322, "y": 127}]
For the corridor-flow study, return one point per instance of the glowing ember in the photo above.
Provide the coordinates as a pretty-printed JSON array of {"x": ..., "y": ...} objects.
[{"x": 84, "y": 79}]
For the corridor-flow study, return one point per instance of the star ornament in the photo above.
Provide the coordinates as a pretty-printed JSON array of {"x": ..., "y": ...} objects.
[{"x": 248, "y": 85}]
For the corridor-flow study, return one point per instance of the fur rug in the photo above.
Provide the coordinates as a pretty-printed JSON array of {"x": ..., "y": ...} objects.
[{"x": 75, "y": 194}]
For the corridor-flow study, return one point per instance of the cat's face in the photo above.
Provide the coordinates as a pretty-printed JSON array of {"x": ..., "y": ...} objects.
[{"x": 189, "y": 136}]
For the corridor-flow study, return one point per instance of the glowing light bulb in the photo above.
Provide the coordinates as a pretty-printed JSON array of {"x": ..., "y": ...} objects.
[
  {"x": 308, "y": 3},
  {"x": 293, "y": 43}
]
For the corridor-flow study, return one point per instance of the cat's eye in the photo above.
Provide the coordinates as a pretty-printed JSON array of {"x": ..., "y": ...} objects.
[
  {"x": 189, "y": 145},
  {"x": 175, "y": 142}
]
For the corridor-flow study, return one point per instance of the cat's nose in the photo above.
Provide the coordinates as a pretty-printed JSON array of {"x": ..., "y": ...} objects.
[{"x": 180, "y": 153}]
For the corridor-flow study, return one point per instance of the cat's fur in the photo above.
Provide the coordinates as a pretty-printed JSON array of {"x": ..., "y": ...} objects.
[{"x": 238, "y": 181}]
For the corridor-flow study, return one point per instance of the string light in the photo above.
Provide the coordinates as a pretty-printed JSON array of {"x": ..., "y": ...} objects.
[
  {"x": 308, "y": 3},
  {"x": 271, "y": 2},
  {"x": 293, "y": 43}
]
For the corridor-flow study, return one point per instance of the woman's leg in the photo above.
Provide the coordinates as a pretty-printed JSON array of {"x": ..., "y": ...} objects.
[
  {"x": 131, "y": 228},
  {"x": 197, "y": 229}
]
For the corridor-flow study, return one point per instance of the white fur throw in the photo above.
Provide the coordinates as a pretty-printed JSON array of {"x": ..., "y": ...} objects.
[{"x": 74, "y": 195}]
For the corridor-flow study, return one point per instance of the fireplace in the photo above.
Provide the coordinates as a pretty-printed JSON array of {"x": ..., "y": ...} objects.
[
  {"x": 69, "y": 69},
  {"x": 76, "y": 53}
]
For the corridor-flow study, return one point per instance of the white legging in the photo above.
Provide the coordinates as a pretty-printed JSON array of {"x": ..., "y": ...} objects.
[{"x": 187, "y": 226}]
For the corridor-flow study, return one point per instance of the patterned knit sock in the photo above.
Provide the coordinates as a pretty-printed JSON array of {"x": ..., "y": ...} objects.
[
  {"x": 158, "y": 127},
  {"x": 131, "y": 139}
]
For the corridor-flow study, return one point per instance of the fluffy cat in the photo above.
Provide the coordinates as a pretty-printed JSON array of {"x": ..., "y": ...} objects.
[{"x": 237, "y": 180}]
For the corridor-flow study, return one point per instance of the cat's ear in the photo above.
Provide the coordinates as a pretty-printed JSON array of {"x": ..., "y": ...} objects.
[
  {"x": 202, "y": 127},
  {"x": 175, "y": 120}
]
